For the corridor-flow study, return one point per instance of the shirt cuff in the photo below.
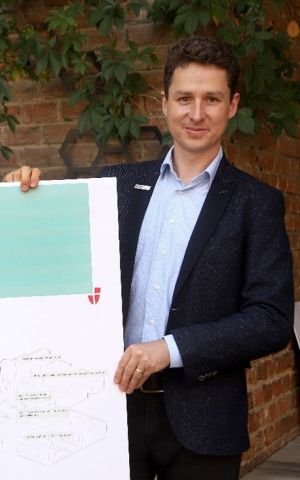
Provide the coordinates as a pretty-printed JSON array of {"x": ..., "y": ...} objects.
[{"x": 175, "y": 357}]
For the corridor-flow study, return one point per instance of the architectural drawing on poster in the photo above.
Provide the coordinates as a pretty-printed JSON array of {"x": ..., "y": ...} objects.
[{"x": 41, "y": 400}]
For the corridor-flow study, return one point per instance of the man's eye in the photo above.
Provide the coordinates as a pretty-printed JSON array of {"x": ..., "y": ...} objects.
[
  {"x": 183, "y": 99},
  {"x": 212, "y": 100}
]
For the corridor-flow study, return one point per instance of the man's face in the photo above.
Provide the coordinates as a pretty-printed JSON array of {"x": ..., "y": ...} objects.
[{"x": 198, "y": 109}]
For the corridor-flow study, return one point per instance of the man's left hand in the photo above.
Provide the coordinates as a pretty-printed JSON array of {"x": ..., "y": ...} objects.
[
  {"x": 29, "y": 177},
  {"x": 139, "y": 362}
]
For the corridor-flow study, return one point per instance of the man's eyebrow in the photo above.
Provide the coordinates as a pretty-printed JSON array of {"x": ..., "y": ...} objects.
[
  {"x": 215, "y": 93},
  {"x": 184, "y": 93}
]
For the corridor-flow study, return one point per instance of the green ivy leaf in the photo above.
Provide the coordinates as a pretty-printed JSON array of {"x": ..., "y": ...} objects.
[
  {"x": 106, "y": 25},
  {"x": 55, "y": 64},
  {"x": 124, "y": 128},
  {"x": 5, "y": 151},
  {"x": 120, "y": 72},
  {"x": 84, "y": 120},
  {"x": 174, "y": 4},
  {"x": 265, "y": 35},
  {"x": 12, "y": 122},
  {"x": 42, "y": 63},
  {"x": 52, "y": 41},
  {"x": 134, "y": 129},
  {"x": 191, "y": 23},
  {"x": 232, "y": 126},
  {"x": 119, "y": 23},
  {"x": 5, "y": 94},
  {"x": 127, "y": 110},
  {"x": 167, "y": 138},
  {"x": 245, "y": 120},
  {"x": 289, "y": 126}
]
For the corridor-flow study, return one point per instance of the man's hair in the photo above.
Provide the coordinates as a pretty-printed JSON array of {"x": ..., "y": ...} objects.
[{"x": 205, "y": 51}]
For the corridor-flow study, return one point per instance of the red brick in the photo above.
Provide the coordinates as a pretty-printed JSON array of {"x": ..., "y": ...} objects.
[
  {"x": 263, "y": 140},
  {"x": 94, "y": 39},
  {"x": 23, "y": 90},
  {"x": 290, "y": 223},
  {"x": 256, "y": 420},
  {"x": 13, "y": 109},
  {"x": 278, "y": 387},
  {"x": 37, "y": 113},
  {"x": 293, "y": 185},
  {"x": 258, "y": 397},
  {"x": 268, "y": 162},
  {"x": 41, "y": 156},
  {"x": 251, "y": 377},
  {"x": 272, "y": 412},
  {"x": 283, "y": 406},
  {"x": 56, "y": 133},
  {"x": 37, "y": 15},
  {"x": 268, "y": 392},
  {"x": 52, "y": 89},
  {"x": 153, "y": 79},
  {"x": 83, "y": 154},
  {"x": 71, "y": 112},
  {"x": 7, "y": 165},
  {"x": 289, "y": 146},
  {"x": 293, "y": 203},
  {"x": 148, "y": 34},
  {"x": 55, "y": 173},
  {"x": 22, "y": 136}
]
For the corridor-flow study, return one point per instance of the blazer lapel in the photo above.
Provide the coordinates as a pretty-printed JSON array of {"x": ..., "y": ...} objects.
[
  {"x": 212, "y": 210},
  {"x": 142, "y": 189}
]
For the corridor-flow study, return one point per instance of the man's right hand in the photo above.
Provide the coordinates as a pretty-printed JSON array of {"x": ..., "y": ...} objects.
[{"x": 29, "y": 177}]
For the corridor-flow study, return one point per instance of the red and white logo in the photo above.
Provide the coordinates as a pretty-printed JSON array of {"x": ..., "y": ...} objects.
[{"x": 95, "y": 297}]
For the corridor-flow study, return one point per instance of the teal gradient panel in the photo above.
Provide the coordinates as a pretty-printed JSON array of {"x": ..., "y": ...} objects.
[{"x": 45, "y": 244}]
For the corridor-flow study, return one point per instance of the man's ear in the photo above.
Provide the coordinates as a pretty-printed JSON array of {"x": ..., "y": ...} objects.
[
  {"x": 234, "y": 103},
  {"x": 164, "y": 103}
]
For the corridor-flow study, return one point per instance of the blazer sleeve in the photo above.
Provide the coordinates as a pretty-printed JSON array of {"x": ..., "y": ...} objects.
[{"x": 262, "y": 322}]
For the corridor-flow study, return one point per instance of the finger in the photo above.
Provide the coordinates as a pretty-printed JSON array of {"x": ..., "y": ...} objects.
[
  {"x": 14, "y": 176},
  {"x": 130, "y": 369},
  {"x": 36, "y": 175},
  {"x": 136, "y": 380},
  {"x": 121, "y": 366},
  {"x": 128, "y": 363},
  {"x": 131, "y": 377},
  {"x": 25, "y": 178}
]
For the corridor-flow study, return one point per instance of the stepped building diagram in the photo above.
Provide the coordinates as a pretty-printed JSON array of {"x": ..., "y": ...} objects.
[{"x": 41, "y": 396}]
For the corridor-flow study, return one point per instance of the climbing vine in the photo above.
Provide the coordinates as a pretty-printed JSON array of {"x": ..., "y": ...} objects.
[{"x": 107, "y": 80}]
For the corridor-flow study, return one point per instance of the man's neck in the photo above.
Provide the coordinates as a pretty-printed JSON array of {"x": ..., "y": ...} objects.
[{"x": 191, "y": 166}]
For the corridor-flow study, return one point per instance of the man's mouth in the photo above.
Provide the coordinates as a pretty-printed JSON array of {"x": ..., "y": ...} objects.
[{"x": 196, "y": 130}]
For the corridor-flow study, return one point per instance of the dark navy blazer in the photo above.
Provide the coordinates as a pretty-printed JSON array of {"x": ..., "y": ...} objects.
[{"x": 233, "y": 300}]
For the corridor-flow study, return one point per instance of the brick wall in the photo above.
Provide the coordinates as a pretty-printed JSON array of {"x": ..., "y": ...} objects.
[{"x": 46, "y": 117}]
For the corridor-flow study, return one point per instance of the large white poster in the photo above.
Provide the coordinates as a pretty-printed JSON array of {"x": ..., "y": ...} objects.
[{"x": 61, "y": 415}]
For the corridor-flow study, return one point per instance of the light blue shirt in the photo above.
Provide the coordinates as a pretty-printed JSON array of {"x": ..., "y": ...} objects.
[{"x": 166, "y": 229}]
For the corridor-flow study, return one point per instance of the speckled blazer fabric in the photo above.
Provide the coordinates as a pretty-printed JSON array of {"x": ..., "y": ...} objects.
[{"x": 233, "y": 301}]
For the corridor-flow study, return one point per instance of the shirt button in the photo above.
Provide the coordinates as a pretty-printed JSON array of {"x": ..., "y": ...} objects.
[
  {"x": 163, "y": 252},
  {"x": 156, "y": 286},
  {"x": 151, "y": 322},
  {"x": 172, "y": 220}
]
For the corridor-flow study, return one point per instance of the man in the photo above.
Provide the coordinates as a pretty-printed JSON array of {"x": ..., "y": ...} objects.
[{"x": 206, "y": 278}]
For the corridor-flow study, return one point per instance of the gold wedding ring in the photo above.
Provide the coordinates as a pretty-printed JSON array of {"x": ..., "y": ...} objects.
[{"x": 139, "y": 371}]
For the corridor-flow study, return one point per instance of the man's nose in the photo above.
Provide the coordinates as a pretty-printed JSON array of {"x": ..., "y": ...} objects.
[{"x": 197, "y": 111}]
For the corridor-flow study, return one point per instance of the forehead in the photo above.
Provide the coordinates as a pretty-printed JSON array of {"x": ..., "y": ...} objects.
[{"x": 194, "y": 76}]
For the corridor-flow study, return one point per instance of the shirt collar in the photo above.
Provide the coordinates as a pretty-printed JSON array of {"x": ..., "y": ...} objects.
[{"x": 210, "y": 170}]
